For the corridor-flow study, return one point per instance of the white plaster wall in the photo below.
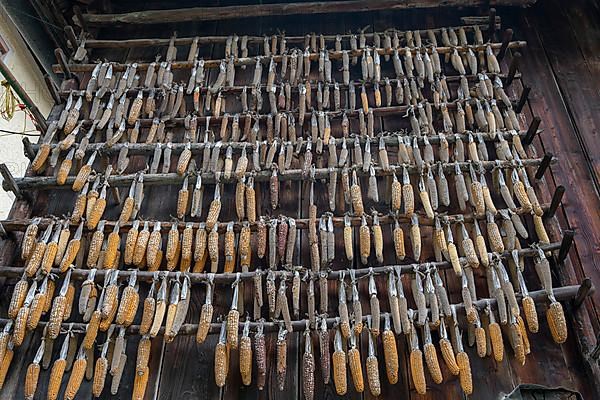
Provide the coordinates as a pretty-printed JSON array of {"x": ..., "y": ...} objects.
[{"x": 23, "y": 66}]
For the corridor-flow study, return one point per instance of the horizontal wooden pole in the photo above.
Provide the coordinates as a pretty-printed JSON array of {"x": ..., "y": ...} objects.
[
  {"x": 183, "y": 41},
  {"x": 49, "y": 182},
  {"x": 390, "y": 139},
  {"x": 194, "y": 14},
  {"x": 82, "y": 274},
  {"x": 333, "y": 55},
  {"x": 562, "y": 294}
]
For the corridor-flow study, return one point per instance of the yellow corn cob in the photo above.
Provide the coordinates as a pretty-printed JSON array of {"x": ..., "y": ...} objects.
[
  {"x": 5, "y": 365},
  {"x": 172, "y": 243},
  {"x": 480, "y": 341},
  {"x": 540, "y": 230},
  {"x": 99, "y": 376},
  {"x": 34, "y": 262},
  {"x": 408, "y": 198},
  {"x": 417, "y": 371},
  {"x": 454, "y": 260},
  {"x": 63, "y": 171},
  {"x": 112, "y": 247},
  {"x": 213, "y": 213},
  {"x": 378, "y": 243},
  {"x": 94, "y": 248},
  {"x": 56, "y": 316},
  {"x": 70, "y": 254},
  {"x": 36, "y": 310},
  {"x": 127, "y": 210},
  {"x": 530, "y": 314},
  {"x": 28, "y": 242},
  {"x": 204, "y": 324},
  {"x": 187, "y": 239},
  {"x": 521, "y": 195},
  {"x": 466, "y": 380},
  {"x": 147, "y": 315},
  {"x": 471, "y": 255},
  {"x": 523, "y": 331},
  {"x": 143, "y": 355},
  {"x": 240, "y": 206},
  {"x": 92, "y": 196},
  {"x": 31, "y": 380},
  {"x": 373, "y": 376},
  {"x": 497, "y": 343},
  {"x": 220, "y": 364},
  {"x": 49, "y": 295},
  {"x": 136, "y": 108},
  {"x": 111, "y": 294},
  {"x": 213, "y": 248},
  {"x": 130, "y": 243},
  {"x": 482, "y": 250},
  {"x": 356, "y": 369},
  {"x": 141, "y": 245},
  {"x": 49, "y": 256},
  {"x": 244, "y": 246},
  {"x": 154, "y": 244},
  {"x": 96, "y": 214},
  {"x": 91, "y": 330},
  {"x": 40, "y": 157},
  {"x": 348, "y": 245},
  {"x": 20, "y": 326},
  {"x": 82, "y": 177},
  {"x": 339, "y": 372},
  {"x": 517, "y": 343},
  {"x": 77, "y": 373},
  {"x": 390, "y": 353},
  {"x": 56, "y": 376},
  {"x": 184, "y": 160},
  {"x": 128, "y": 306},
  {"x": 557, "y": 322},
  {"x": 18, "y": 297},
  {"x": 433, "y": 365},
  {"x": 69, "y": 297},
  {"x": 157, "y": 262},
  {"x": 251, "y": 204},
  {"x": 182, "y": 202},
  {"x": 139, "y": 385},
  {"x": 246, "y": 360},
  {"x": 448, "y": 356},
  {"x": 229, "y": 249}
]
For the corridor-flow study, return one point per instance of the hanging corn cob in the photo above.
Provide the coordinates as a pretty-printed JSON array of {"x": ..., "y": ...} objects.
[
  {"x": 281, "y": 360},
  {"x": 76, "y": 377},
  {"x": 58, "y": 369},
  {"x": 233, "y": 317},
  {"x": 160, "y": 308},
  {"x": 339, "y": 365}
]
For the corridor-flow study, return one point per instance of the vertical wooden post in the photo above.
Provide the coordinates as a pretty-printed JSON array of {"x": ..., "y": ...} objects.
[
  {"x": 506, "y": 38},
  {"x": 532, "y": 131},
  {"x": 544, "y": 164},
  {"x": 522, "y": 99},
  {"x": 512, "y": 68},
  {"x": 556, "y": 198},
  {"x": 565, "y": 245},
  {"x": 583, "y": 292}
]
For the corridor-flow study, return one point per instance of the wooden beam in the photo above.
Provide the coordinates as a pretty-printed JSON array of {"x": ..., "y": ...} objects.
[
  {"x": 263, "y": 10},
  {"x": 584, "y": 291},
  {"x": 9, "y": 182}
]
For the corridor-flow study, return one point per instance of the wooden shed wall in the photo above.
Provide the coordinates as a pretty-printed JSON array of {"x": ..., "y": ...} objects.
[{"x": 560, "y": 64}]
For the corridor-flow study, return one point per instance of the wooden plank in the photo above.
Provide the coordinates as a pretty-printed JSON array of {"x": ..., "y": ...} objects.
[{"x": 263, "y": 10}]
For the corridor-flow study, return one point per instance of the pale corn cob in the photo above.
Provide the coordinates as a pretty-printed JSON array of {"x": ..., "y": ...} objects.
[
  {"x": 469, "y": 248},
  {"x": 417, "y": 371},
  {"x": 154, "y": 244},
  {"x": 308, "y": 367},
  {"x": 56, "y": 316},
  {"x": 205, "y": 314},
  {"x": 377, "y": 238},
  {"x": 365, "y": 241},
  {"x": 530, "y": 314},
  {"x": 148, "y": 313},
  {"x": 183, "y": 199},
  {"x": 540, "y": 230},
  {"x": 480, "y": 341},
  {"x": 448, "y": 356},
  {"x": 98, "y": 210},
  {"x": 91, "y": 197},
  {"x": 187, "y": 239},
  {"x": 453, "y": 255},
  {"x": 63, "y": 240},
  {"x": 408, "y": 196},
  {"x": 221, "y": 361},
  {"x": 184, "y": 160},
  {"x": 79, "y": 207},
  {"x": 425, "y": 201},
  {"x": 523, "y": 331},
  {"x": 140, "y": 383},
  {"x": 127, "y": 210},
  {"x": 557, "y": 322},
  {"x": 214, "y": 210},
  {"x": 339, "y": 366},
  {"x": 35, "y": 260},
  {"x": 112, "y": 248},
  {"x": 69, "y": 298},
  {"x": 356, "y": 196},
  {"x": 415, "y": 236},
  {"x": 141, "y": 245},
  {"x": 143, "y": 354},
  {"x": 95, "y": 246},
  {"x": 229, "y": 248},
  {"x": 373, "y": 370},
  {"x": 233, "y": 319},
  {"x": 160, "y": 308},
  {"x": 521, "y": 193},
  {"x": 117, "y": 375},
  {"x": 157, "y": 262},
  {"x": 517, "y": 341},
  {"x": 213, "y": 247},
  {"x": 246, "y": 355},
  {"x": 494, "y": 237},
  {"x": 240, "y": 196},
  {"x": 261, "y": 358},
  {"x": 77, "y": 373},
  {"x": 466, "y": 380},
  {"x": 390, "y": 353},
  {"x": 250, "y": 201},
  {"x": 396, "y": 194},
  {"x": 172, "y": 242},
  {"x": 136, "y": 108}
]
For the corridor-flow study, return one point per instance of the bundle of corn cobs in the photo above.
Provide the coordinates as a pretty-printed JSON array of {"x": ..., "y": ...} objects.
[{"x": 450, "y": 191}]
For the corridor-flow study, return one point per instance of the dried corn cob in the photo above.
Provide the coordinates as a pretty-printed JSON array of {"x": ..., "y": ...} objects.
[
  {"x": 344, "y": 324},
  {"x": 28, "y": 242},
  {"x": 447, "y": 351},
  {"x": 130, "y": 243},
  {"x": 377, "y": 238},
  {"x": 408, "y": 197},
  {"x": 143, "y": 354},
  {"x": 63, "y": 240},
  {"x": 431, "y": 357},
  {"x": 339, "y": 366},
  {"x": 140, "y": 383},
  {"x": 117, "y": 374},
  {"x": 83, "y": 174},
  {"x": 58, "y": 370},
  {"x": 98, "y": 209},
  {"x": 261, "y": 357},
  {"x": 308, "y": 367},
  {"x": 183, "y": 199},
  {"x": 233, "y": 317},
  {"x": 58, "y": 309},
  {"x": 70, "y": 297},
  {"x": 154, "y": 244},
  {"x": 214, "y": 210},
  {"x": 18, "y": 297},
  {"x": 396, "y": 194},
  {"x": 416, "y": 364},
  {"x": 453, "y": 253},
  {"x": 213, "y": 247},
  {"x": 160, "y": 308},
  {"x": 33, "y": 372},
  {"x": 464, "y": 365},
  {"x": 50, "y": 252},
  {"x": 100, "y": 371},
  {"x": 206, "y": 312},
  {"x": 128, "y": 205},
  {"x": 390, "y": 352},
  {"x": 356, "y": 196},
  {"x": 76, "y": 377},
  {"x": 172, "y": 242},
  {"x": 184, "y": 160},
  {"x": 246, "y": 355},
  {"x": 556, "y": 321},
  {"x": 281, "y": 357},
  {"x": 348, "y": 245},
  {"x": 424, "y": 196},
  {"x": 365, "y": 241},
  {"x": 221, "y": 362},
  {"x": 112, "y": 248},
  {"x": 148, "y": 311},
  {"x": 44, "y": 151},
  {"x": 129, "y": 302}
]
